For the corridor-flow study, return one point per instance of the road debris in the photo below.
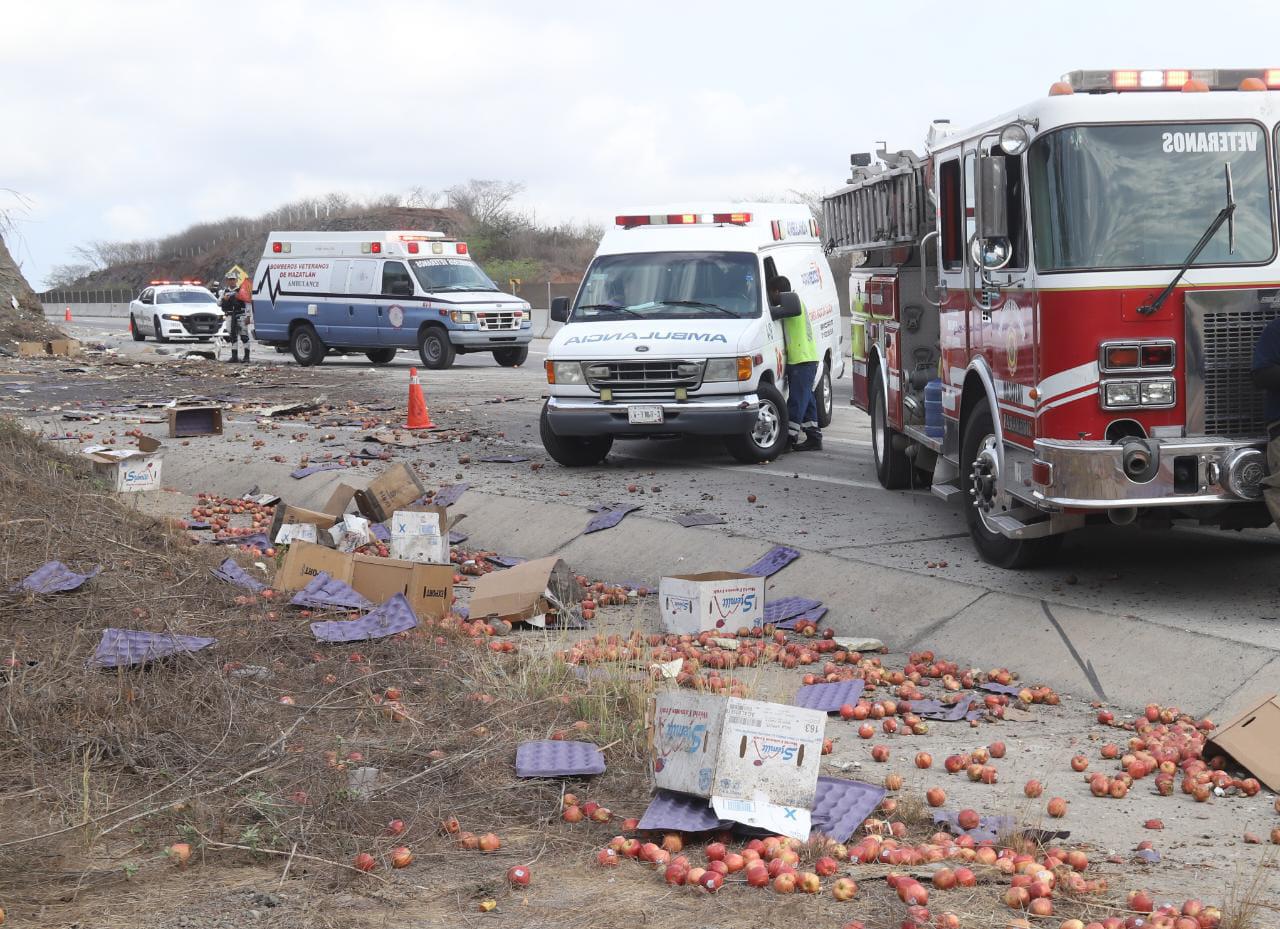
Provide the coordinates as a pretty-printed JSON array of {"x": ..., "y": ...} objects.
[
  {"x": 124, "y": 648},
  {"x": 55, "y": 577}
]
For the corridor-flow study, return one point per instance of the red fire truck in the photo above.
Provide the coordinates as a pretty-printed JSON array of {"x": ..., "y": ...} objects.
[{"x": 1053, "y": 312}]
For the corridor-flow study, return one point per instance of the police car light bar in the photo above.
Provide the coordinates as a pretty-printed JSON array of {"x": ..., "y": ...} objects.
[
  {"x": 1180, "y": 79},
  {"x": 683, "y": 219}
]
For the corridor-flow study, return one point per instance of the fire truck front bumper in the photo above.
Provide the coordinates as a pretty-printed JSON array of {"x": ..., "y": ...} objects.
[{"x": 1137, "y": 472}]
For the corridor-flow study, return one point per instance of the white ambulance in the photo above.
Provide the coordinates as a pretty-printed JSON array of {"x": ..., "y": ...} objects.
[
  {"x": 671, "y": 332},
  {"x": 378, "y": 292}
]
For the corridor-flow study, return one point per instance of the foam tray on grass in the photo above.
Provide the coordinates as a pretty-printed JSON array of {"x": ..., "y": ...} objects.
[{"x": 552, "y": 758}]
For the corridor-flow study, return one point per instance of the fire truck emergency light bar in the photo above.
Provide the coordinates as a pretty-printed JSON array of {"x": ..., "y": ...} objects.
[
  {"x": 1102, "y": 82},
  {"x": 683, "y": 219}
]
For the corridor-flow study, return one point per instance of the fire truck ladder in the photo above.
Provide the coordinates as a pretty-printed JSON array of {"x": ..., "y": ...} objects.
[{"x": 885, "y": 206}]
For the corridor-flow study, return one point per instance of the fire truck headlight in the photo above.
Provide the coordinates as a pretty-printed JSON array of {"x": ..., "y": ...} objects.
[
  {"x": 1119, "y": 394},
  {"x": 1014, "y": 139},
  {"x": 1157, "y": 392}
]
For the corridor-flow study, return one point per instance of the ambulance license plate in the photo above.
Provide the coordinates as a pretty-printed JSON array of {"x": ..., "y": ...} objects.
[{"x": 644, "y": 415}]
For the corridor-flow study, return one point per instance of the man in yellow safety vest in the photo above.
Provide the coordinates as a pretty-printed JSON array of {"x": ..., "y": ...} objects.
[{"x": 802, "y": 371}]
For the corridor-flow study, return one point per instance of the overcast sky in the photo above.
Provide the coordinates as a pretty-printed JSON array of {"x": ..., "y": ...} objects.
[{"x": 134, "y": 119}]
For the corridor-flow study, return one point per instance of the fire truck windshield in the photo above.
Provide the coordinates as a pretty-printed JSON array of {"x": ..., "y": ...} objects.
[{"x": 1139, "y": 196}]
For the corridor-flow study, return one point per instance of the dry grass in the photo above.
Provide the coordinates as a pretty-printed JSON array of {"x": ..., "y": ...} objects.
[{"x": 100, "y": 770}]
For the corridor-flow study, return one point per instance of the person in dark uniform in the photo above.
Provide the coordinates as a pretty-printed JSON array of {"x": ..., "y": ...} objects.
[
  {"x": 1266, "y": 377},
  {"x": 235, "y": 309}
]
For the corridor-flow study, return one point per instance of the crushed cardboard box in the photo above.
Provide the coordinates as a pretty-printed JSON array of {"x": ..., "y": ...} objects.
[
  {"x": 394, "y": 489},
  {"x": 428, "y": 588},
  {"x": 56, "y": 347},
  {"x": 1253, "y": 740},
  {"x": 321, "y": 519},
  {"x": 711, "y": 601},
  {"x": 526, "y": 592},
  {"x": 757, "y": 763},
  {"x": 129, "y": 469}
]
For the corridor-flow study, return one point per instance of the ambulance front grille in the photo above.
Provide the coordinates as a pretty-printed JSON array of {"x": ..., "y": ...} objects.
[
  {"x": 1233, "y": 407},
  {"x": 495, "y": 319}
]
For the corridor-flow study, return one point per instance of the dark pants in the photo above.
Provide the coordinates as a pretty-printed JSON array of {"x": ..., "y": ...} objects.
[{"x": 802, "y": 405}]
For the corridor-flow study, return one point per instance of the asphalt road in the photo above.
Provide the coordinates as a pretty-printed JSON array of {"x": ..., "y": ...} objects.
[{"x": 1217, "y": 587}]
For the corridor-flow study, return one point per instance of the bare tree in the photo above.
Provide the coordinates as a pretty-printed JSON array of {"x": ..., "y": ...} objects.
[
  {"x": 65, "y": 275},
  {"x": 485, "y": 202}
]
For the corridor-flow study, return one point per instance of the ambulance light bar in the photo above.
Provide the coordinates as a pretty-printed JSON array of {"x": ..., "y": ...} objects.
[
  {"x": 1128, "y": 80},
  {"x": 683, "y": 219}
]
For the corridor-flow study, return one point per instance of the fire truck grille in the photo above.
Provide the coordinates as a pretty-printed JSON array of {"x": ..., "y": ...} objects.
[{"x": 1233, "y": 407}]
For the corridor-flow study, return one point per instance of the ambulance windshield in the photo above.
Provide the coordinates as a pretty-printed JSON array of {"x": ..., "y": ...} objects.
[
  {"x": 1139, "y": 196},
  {"x": 439, "y": 275},
  {"x": 671, "y": 285}
]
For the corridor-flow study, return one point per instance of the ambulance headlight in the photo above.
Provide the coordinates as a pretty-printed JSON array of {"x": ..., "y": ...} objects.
[
  {"x": 1014, "y": 139},
  {"x": 459, "y": 316},
  {"x": 728, "y": 369},
  {"x": 568, "y": 372}
]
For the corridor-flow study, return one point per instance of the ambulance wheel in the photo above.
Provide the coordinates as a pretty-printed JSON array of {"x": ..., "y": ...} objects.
[
  {"x": 511, "y": 357},
  {"x": 306, "y": 346},
  {"x": 979, "y": 463},
  {"x": 160, "y": 336},
  {"x": 893, "y": 467},
  {"x": 825, "y": 398},
  {"x": 768, "y": 438},
  {"x": 381, "y": 356},
  {"x": 435, "y": 348},
  {"x": 570, "y": 450},
  {"x": 138, "y": 334}
]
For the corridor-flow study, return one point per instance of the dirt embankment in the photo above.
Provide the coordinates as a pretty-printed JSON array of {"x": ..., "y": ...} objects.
[{"x": 21, "y": 316}]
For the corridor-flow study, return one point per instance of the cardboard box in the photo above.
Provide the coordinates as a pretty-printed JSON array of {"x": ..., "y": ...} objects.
[
  {"x": 62, "y": 347},
  {"x": 394, "y": 489},
  {"x": 186, "y": 421},
  {"x": 285, "y": 513},
  {"x": 756, "y": 762},
  {"x": 1253, "y": 740},
  {"x": 31, "y": 350},
  {"x": 713, "y": 600},
  {"x": 526, "y": 592},
  {"x": 428, "y": 588},
  {"x": 421, "y": 533},
  {"x": 129, "y": 469}
]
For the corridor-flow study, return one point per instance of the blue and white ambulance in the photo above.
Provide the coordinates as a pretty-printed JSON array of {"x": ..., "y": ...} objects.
[{"x": 378, "y": 292}]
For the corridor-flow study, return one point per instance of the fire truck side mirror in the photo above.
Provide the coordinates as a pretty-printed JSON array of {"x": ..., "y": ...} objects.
[
  {"x": 993, "y": 204},
  {"x": 788, "y": 305}
]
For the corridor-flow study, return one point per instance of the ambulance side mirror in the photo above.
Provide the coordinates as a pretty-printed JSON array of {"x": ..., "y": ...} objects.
[
  {"x": 788, "y": 305},
  {"x": 560, "y": 310}
]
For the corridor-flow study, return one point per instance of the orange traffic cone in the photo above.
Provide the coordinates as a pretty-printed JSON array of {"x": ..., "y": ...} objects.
[
  {"x": 67, "y": 315},
  {"x": 130, "y": 324},
  {"x": 419, "y": 415}
]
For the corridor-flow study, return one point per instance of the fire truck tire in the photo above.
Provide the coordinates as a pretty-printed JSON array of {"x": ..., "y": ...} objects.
[
  {"x": 573, "y": 451},
  {"x": 893, "y": 467},
  {"x": 825, "y": 398},
  {"x": 994, "y": 547}
]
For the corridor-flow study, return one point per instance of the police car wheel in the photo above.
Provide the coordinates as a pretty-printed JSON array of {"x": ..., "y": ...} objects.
[
  {"x": 159, "y": 330},
  {"x": 135, "y": 330},
  {"x": 893, "y": 468},
  {"x": 977, "y": 474},
  {"x": 768, "y": 437},
  {"x": 826, "y": 402},
  {"x": 435, "y": 349},
  {"x": 570, "y": 450},
  {"x": 511, "y": 357},
  {"x": 306, "y": 346}
]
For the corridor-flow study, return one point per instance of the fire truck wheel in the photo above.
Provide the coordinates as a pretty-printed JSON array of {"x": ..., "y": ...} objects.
[
  {"x": 893, "y": 467},
  {"x": 825, "y": 398},
  {"x": 981, "y": 485}
]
